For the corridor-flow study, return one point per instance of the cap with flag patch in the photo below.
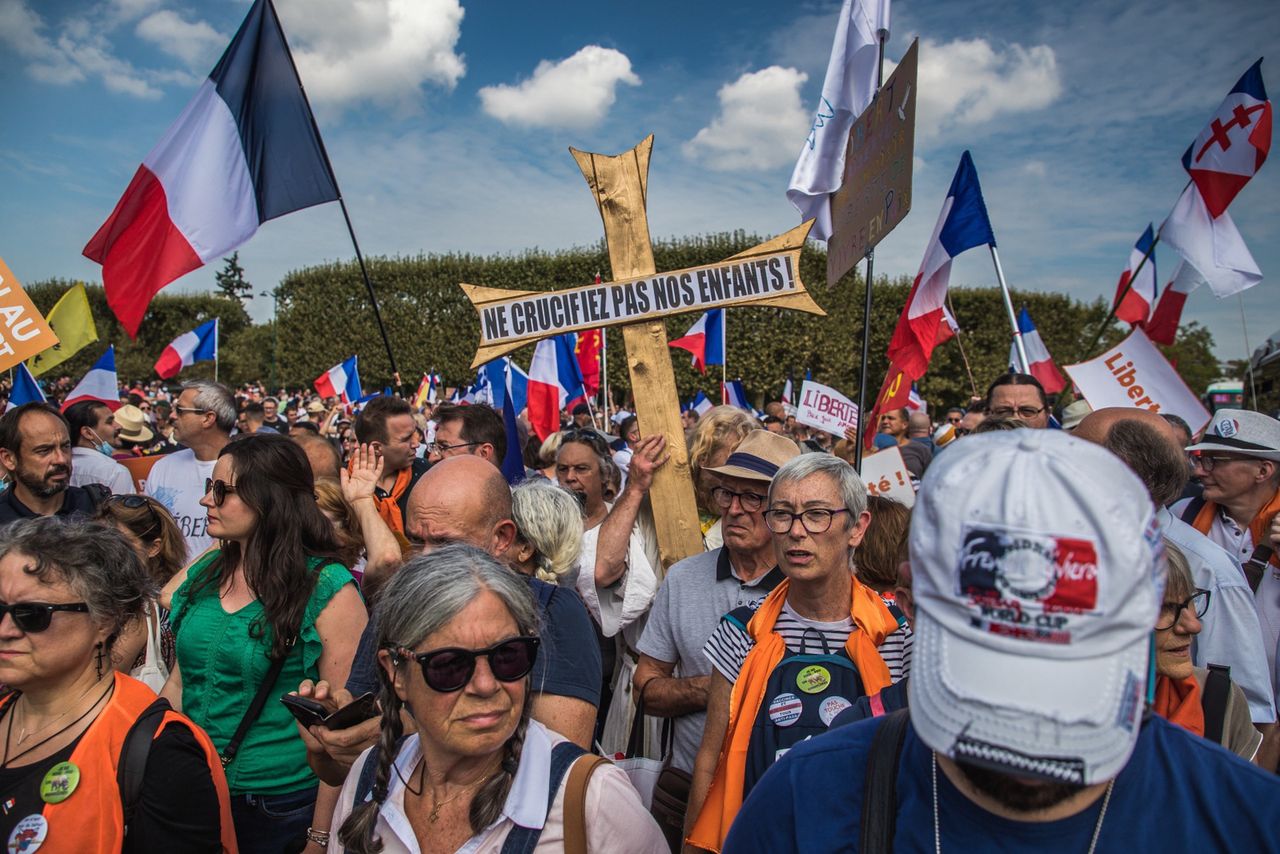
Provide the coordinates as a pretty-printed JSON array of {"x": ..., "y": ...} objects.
[
  {"x": 1241, "y": 431},
  {"x": 1038, "y": 572}
]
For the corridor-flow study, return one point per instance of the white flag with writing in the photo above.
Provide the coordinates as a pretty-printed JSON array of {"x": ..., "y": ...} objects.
[{"x": 848, "y": 88}]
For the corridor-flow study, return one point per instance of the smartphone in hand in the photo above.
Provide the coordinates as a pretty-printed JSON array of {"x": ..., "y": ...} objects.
[{"x": 311, "y": 713}]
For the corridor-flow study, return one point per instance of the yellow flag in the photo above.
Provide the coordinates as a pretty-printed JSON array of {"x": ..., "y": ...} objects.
[{"x": 72, "y": 321}]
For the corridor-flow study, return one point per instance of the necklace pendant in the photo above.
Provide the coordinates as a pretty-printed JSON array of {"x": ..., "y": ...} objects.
[{"x": 435, "y": 815}]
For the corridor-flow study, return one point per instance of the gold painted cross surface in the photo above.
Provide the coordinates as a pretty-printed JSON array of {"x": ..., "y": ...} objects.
[{"x": 638, "y": 300}]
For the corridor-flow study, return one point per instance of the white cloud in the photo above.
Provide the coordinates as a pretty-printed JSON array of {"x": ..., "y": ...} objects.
[
  {"x": 967, "y": 82},
  {"x": 761, "y": 123},
  {"x": 383, "y": 50},
  {"x": 574, "y": 93},
  {"x": 196, "y": 44}
]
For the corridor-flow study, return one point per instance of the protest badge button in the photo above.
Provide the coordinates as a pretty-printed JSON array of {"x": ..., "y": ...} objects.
[
  {"x": 814, "y": 679},
  {"x": 831, "y": 707},
  {"x": 29, "y": 834},
  {"x": 59, "y": 783},
  {"x": 785, "y": 709}
]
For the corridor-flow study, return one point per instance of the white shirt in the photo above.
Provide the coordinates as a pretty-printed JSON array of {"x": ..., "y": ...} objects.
[
  {"x": 1231, "y": 633},
  {"x": 621, "y": 606},
  {"x": 92, "y": 466},
  {"x": 616, "y": 820},
  {"x": 177, "y": 482}
]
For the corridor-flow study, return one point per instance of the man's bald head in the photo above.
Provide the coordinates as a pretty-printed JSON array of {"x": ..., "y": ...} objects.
[
  {"x": 919, "y": 424},
  {"x": 462, "y": 499},
  {"x": 321, "y": 453},
  {"x": 1148, "y": 444}
]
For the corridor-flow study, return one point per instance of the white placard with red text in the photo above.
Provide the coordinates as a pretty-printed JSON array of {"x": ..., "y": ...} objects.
[
  {"x": 827, "y": 409},
  {"x": 886, "y": 475},
  {"x": 1134, "y": 373}
]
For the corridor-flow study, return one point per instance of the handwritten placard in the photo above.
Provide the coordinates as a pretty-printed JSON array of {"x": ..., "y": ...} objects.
[
  {"x": 885, "y": 474},
  {"x": 1134, "y": 373},
  {"x": 23, "y": 329},
  {"x": 826, "y": 409}
]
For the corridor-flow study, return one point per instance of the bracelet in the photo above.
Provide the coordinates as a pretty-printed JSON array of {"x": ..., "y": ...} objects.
[{"x": 319, "y": 837}]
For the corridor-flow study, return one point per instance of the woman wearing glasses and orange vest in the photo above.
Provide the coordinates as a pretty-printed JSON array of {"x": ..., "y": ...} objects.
[
  {"x": 92, "y": 760},
  {"x": 269, "y": 608}
]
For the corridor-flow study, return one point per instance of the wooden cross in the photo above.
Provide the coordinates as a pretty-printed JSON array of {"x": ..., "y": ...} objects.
[{"x": 637, "y": 300}]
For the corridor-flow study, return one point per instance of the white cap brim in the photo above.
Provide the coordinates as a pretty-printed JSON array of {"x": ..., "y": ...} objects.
[{"x": 1071, "y": 721}]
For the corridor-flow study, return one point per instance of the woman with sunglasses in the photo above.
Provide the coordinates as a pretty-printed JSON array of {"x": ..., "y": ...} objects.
[
  {"x": 68, "y": 587},
  {"x": 274, "y": 590},
  {"x": 457, "y": 634},
  {"x": 157, "y": 540},
  {"x": 1184, "y": 692}
]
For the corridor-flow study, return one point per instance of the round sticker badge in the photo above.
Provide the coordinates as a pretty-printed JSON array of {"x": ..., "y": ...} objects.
[
  {"x": 59, "y": 783},
  {"x": 831, "y": 707},
  {"x": 29, "y": 835},
  {"x": 814, "y": 679},
  {"x": 785, "y": 709}
]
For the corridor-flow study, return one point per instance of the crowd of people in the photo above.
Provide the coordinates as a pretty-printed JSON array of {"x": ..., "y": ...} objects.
[{"x": 231, "y": 621}]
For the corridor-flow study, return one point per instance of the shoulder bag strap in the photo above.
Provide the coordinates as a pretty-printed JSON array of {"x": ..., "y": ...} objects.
[
  {"x": 523, "y": 840},
  {"x": 1217, "y": 690},
  {"x": 132, "y": 764},
  {"x": 255, "y": 708},
  {"x": 575, "y": 803},
  {"x": 879, "y": 792}
]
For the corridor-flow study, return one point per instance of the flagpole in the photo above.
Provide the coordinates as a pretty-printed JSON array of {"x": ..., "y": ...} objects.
[
  {"x": 963, "y": 356},
  {"x": 1008, "y": 306},
  {"x": 324, "y": 152},
  {"x": 216, "y": 328},
  {"x": 1248, "y": 353},
  {"x": 881, "y": 35}
]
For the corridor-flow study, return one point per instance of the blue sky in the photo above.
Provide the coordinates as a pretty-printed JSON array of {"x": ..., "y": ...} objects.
[{"x": 448, "y": 123}]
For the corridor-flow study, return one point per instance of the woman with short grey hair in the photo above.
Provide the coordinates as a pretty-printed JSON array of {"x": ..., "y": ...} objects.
[{"x": 457, "y": 640}]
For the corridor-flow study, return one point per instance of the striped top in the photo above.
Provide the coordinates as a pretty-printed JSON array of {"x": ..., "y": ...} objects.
[{"x": 730, "y": 643}]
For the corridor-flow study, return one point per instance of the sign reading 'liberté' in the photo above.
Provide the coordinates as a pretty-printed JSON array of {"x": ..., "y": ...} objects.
[{"x": 767, "y": 274}]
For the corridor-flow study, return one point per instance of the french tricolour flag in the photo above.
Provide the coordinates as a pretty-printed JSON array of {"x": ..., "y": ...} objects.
[
  {"x": 198, "y": 345},
  {"x": 700, "y": 404},
  {"x": 554, "y": 379},
  {"x": 99, "y": 384},
  {"x": 25, "y": 388},
  {"x": 705, "y": 340},
  {"x": 245, "y": 150},
  {"x": 341, "y": 381},
  {"x": 1042, "y": 366},
  {"x": 1135, "y": 308},
  {"x": 963, "y": 224},
  {"x": 1233, "y": 146},
  {"x": 736, "y": 395},
  {"x": 1163, "y": 325}
]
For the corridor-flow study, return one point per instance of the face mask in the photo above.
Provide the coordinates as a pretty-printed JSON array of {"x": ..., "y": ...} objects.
[{"x": 102, "y": 447}]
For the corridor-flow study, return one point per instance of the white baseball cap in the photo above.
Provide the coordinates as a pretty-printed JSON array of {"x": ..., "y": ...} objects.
[{"x": 1038, "y": 572}]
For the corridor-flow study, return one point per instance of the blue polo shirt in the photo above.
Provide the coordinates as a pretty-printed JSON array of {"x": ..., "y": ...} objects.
[{"x": 1178, "y": 793}]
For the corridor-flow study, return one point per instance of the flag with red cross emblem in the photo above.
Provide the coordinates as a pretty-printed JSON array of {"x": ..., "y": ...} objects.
[{"x": 1234, "y": 144}]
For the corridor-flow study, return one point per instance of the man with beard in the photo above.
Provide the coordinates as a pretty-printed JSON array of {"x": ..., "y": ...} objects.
[
  {"x": 35, "y": 450},
  {"x": 1038, "y": 575}
]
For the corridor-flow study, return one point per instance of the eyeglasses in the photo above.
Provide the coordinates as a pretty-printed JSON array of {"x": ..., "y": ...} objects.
[
  {"x": 954, "y": 420},
  {"x": 1209, "y": 462},
  {"x": 178, "y": 410},
  {"x": 751, "y": 502},
  {"x": 1170, "y": 612},
  {"x": 449, "y": 670},
  {"x": 1020, "y": 412},
  {"x": 586, "y": 436},
  {"x": 815, "y": 520},
  {"x": 443, "y": 448},
  {"x": 220, "y": 489},
  {"x": 32, "y": 617},
  {"x": 136, "y": 502}
]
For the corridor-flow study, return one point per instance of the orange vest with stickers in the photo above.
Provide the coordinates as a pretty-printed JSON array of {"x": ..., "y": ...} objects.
[{"x": 92, "y": 818}]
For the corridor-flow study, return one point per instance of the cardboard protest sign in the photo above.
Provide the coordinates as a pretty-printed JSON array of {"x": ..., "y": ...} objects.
[
  {"x": 23, "y": 329},
  {"x": 875, "y": 194},
  {"x": 885, "y": 474},
  {"x": 827, "y": 409},
  {"x": 1135, "y": 373},
  {"x": 765, "y": 275}
]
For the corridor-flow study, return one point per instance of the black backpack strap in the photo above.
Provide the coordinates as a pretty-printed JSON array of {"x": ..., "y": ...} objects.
[
  {"x": 522, "y": 840},
  {"x": 255, "y": 708},
  {"x": 880, "y": 786},
  {"x": 1217, "y": 690},
  {"x": 1192, "y": 510},
  {"x": 132, "y": 765}
]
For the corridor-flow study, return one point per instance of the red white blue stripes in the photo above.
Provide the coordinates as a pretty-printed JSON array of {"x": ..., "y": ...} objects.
[{"x": 198, "y": 345}]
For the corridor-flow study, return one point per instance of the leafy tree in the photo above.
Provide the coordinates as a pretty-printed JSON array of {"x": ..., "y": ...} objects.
[{"x": 231, "y": 281}]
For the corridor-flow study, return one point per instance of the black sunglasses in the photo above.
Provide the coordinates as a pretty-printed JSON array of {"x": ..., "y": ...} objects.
[
  {"x": 220, "y": 489},
  {"x": 136, "y": 502},
  {"x": 586, "y": 436},
  {"x": 449, "y": 670},
  {"x": 32, "y": 617}
]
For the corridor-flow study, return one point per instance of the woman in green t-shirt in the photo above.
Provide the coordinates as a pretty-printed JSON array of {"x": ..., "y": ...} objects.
[{"x": 275, "y": 587}]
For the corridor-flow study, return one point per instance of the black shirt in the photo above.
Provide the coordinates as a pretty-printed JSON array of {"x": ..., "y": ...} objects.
[{"x": 76, "y": 500}]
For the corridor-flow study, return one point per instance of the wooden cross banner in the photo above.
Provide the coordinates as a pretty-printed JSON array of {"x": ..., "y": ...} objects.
[{"x": 637, "y": 300}]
